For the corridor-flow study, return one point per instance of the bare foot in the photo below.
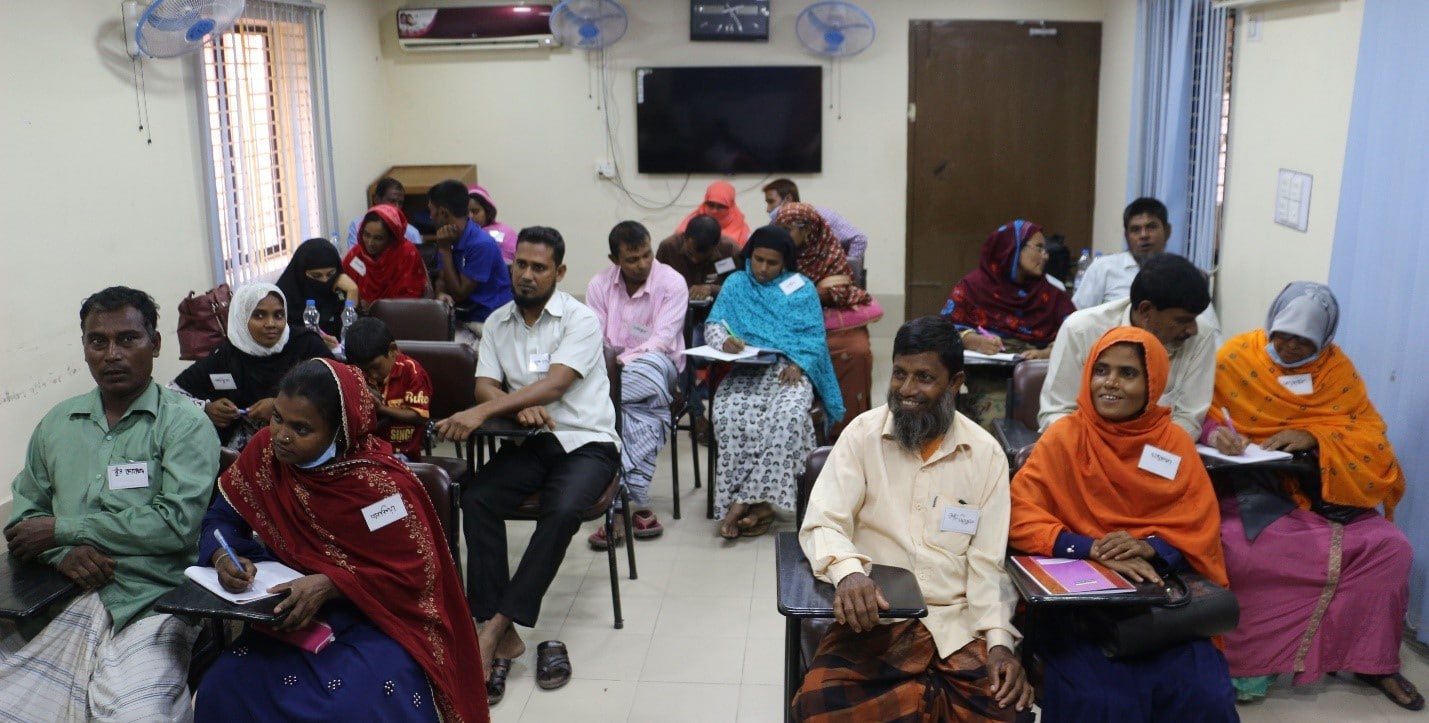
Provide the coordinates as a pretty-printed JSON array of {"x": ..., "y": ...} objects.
[
  {"x": 729, "y": 526},
  {"x": 489, "y": 639},
  {"x": 511, "y": 646}
]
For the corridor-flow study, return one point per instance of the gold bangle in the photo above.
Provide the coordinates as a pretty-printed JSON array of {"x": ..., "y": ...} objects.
[{"x": 965, "y": 333}]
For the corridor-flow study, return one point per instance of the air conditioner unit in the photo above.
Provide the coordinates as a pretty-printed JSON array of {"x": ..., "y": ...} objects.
[
  {"x": 1233, "y": 4},
  {"x": 476, "y": 27}
]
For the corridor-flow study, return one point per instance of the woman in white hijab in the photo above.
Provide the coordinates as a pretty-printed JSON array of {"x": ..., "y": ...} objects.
[{"x": 237, "y": 382}]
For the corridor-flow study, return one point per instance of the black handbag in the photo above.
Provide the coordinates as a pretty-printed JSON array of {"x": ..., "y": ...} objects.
[{"x": 1197, "y": 609}]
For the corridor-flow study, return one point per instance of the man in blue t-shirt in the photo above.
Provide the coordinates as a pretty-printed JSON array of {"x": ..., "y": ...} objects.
[{"x": 471, "y": 275}]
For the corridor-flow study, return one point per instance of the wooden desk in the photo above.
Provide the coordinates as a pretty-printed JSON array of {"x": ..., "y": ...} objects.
[{"x": 417, "y": 180}]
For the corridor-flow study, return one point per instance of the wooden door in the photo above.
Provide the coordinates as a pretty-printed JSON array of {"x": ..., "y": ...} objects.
[{"x": 1002, "y": 125}]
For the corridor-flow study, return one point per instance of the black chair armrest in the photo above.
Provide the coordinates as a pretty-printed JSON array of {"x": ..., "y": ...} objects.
[
  {"x": 803, "y": 596},
  {"x": 27, "y": 588},
  {"x": 192, "y": 599}
]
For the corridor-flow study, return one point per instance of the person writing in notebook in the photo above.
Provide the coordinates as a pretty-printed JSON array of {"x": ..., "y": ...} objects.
[
  {"x": 916, "y": 454},
  {"x": 1116, "y": 481},
  {"x": 318, "y": 491},
  {"x": 1290, "y": 387}
]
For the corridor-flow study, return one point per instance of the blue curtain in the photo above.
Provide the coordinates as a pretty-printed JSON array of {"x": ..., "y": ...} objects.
[
  {"x": 1379, "y": 267},
  {"x": 1175, "y": 118}
]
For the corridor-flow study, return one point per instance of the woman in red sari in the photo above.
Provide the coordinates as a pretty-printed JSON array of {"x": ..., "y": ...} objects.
[
  {"x": 848, "y": 308},
  {"x": 308, "y": 492},
  {"x": 384, "y": 263}
]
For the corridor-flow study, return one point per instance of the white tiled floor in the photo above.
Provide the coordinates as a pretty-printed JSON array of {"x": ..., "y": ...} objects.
[{"x": 703, "y": 640}]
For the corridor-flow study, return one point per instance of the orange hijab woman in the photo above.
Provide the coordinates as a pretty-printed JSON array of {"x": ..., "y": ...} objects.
[
  {"x": 719, "y": 204},
  {"x": 1118, "y": 482}
]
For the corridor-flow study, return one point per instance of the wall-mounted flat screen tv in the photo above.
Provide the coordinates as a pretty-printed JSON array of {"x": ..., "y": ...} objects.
[{"x": 744, "y": 119}]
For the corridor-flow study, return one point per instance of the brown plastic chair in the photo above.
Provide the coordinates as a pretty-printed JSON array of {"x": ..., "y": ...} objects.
[
  {"x": 530, "y": 508},
  {"x": 451, "y": 365},
  {"x": 415, "y": 319},
  {"x": 444, "y": 498},
  {"x": 1018, "y": 430}
]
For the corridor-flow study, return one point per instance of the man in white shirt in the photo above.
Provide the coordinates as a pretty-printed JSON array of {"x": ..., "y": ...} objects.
[
  {"x": 1167, "y": 295},
  {"x": 544, "y": 348},
  {"x": 1109, "y": 277},
  {"x": 915, "y": 484}
]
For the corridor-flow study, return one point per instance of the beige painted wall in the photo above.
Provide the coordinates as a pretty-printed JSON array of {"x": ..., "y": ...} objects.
[
  {"x": 1290, "y": 108},
  {"x": 532, "y": 122},
  {"x": 91, "y": 203}
]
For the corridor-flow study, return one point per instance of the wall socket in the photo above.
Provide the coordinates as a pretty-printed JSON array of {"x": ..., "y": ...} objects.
[{"x": 605, "y": 169}]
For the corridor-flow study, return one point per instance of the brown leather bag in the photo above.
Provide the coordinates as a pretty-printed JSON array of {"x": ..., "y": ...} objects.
[{"x": 203, "y": 322}]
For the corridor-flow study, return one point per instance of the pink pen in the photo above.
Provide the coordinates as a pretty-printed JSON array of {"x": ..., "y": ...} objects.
[{"x": 985, "y": 332}]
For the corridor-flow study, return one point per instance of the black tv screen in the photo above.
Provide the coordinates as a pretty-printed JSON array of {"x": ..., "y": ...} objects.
[{"x": 746, "y": 119}]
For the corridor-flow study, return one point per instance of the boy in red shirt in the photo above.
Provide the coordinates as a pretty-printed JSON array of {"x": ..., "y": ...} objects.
[{"x": 400, "y": 384}]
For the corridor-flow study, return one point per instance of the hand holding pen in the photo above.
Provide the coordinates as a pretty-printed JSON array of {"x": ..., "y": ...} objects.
[
  {"x": 238, "y": 574},
  {"x": 732, "y": 343},
  {"x": 1226, "y": 439},
  {"x": 994, "y": 337}
]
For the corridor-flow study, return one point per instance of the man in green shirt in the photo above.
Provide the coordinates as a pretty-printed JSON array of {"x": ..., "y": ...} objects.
[{"x": 112, "y": 494}]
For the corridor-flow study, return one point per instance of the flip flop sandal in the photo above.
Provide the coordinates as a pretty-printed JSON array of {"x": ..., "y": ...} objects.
[
  {"x": 597, "y": 539},
  {"x": 1416, "y": 701},
  {"x": 761, "y": 525},
  {"x": 553, "y": 665},
  {"x": 496, "y": 683},
  {"x": 644, "y": 525}
]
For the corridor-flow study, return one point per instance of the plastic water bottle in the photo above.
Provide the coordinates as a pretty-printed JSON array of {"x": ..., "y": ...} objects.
[
  {"x": 349, "y": 315},
  {"x": 311, "y": 317},
  {"x": 1083, "y": 263}
]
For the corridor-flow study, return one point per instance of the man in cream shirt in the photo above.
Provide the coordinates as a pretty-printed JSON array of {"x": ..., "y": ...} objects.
[{"x": 915, "y": 484}]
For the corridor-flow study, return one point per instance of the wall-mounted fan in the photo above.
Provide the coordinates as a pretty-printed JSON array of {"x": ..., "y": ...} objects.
[
  {"x": 170, "y": 28},
  {"x": 835, "y": 29},
  {"x": 589, "y": 24}
]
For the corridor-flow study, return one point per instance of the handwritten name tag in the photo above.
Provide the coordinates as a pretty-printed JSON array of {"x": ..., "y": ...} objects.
[
  {"x": 222, "y": 381},
  {"x": 128, "y": 476},
  {"x": 384, "y": 512},
  {"x": 724, "y": 266},
  {"x": 960, "y": 519},
  {"x": 539, "y": 363},
  {"x": 791, "y": 284},
  {"x": 1159, "y": 462},
  {"x": 640, "y": 331},
  {"x": 1298, "y": 383},
  {"x": 358, "y": 266}
]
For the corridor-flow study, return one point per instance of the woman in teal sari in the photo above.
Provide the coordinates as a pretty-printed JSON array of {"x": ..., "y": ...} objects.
[{"x": 761, "y": 411}]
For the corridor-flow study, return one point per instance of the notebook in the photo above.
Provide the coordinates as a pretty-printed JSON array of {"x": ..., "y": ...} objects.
[
  {"x": 269, "y": 574},
  {"x": 1253, "y": 453},
  {"x": 1061, "y": 576}
]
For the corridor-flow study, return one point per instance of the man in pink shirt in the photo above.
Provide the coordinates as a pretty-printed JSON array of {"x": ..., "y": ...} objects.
[{"x": 641, "y": 306}]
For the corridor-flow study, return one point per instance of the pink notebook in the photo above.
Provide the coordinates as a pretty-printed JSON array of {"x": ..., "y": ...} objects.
[
  {"x": 1060, "y": 576},
  {"x": 312, "y": 638}
]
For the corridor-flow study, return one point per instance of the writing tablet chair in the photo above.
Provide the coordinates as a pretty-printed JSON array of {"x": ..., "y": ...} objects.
[
  {"x": 1018, "y": 430},
  {"x": 682, "y": 408},
  {"x": 604, "y": 506},
  {"x": 451, "y": 365},
  {"x": 415, "y": 319},
  {"x": 442, "y": 492},
  {"x": 807, "y": 604}
]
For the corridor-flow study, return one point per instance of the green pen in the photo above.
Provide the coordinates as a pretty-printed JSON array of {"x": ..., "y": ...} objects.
[{"x": 730, "y": 331}]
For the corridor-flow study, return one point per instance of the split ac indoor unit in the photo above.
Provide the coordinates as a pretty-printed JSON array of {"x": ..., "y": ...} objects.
[{"x": 500, "y": 26}]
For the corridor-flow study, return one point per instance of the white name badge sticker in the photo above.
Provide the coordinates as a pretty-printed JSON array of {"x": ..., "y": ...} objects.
[
  {"x": 358, "y": 266},
  {"x": 539, "y": 363},
  {"x": 498, "y": 236},
  {"x": 960, "y": 519},
  {"x": 128, "y": 476},
  {"x": 724, "y": 266},
  {"x": 384, "y": 512},
  {"x": 640, "y": 331},
  {"x": 1159, "y": 462},
  {"x": 222, "y": 381},
  {"x": 1298, "y": 383},
  {"x": 791, "y": 284}
]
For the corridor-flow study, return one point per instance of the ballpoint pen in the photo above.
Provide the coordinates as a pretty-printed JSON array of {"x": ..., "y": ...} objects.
[
  {"x": 985, "y": 332},
  {"x": 729, "y": 331},
  {"x": 218, "y": 535}
]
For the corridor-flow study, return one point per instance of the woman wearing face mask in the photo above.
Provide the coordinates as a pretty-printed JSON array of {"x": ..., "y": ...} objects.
[
  {"x": 719, "y": 204},
  {"x": 307, "y": 493},
  {"x": 1321, "y": 576},
  {"x": 237, "y": 382},
  {"x": 315, "y": 273},
  {"x": 384, "y": 264},
  {"x": 761, "y": 412},
  {"x": 1084, "y": 493}
]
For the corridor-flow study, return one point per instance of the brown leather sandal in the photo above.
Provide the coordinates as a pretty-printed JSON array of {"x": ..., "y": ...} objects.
[
  {"x": 1400, "y": 686},
  {"x": 496, "y": 682},
  {"x": 553, "y": 665}
]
